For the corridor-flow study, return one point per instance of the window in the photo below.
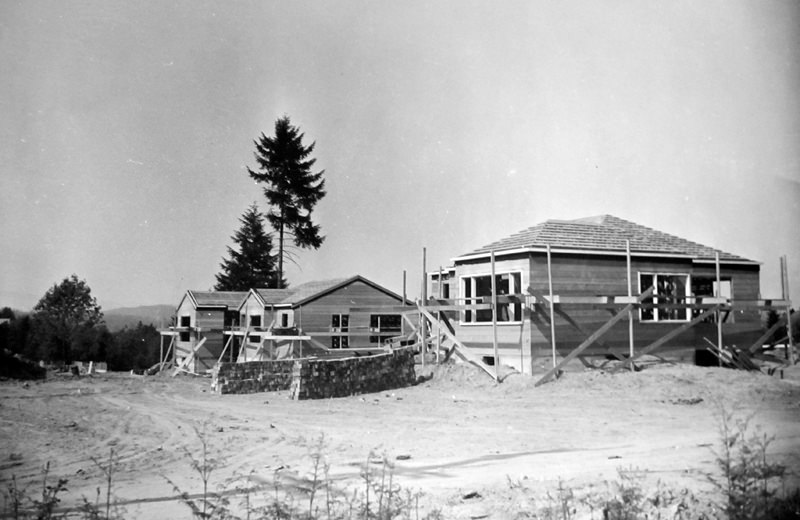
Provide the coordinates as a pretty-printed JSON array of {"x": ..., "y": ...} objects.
[
  {"x": 186, "y": 322},
  {"x": 284, "y": 320},
  {"x": 255, "y": 321},
  {"x": 340, "y": 323},
  {"x": 386, "y": 325},
  {"x": 707, "y": 286},
  {"x": 479, "y": 288},
  {"x": 671, "y": 291},
  {"x": 253, "y": 338}
]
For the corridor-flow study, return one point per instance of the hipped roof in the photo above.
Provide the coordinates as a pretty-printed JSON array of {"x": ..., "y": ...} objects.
[{"x": 603, "y": 234}]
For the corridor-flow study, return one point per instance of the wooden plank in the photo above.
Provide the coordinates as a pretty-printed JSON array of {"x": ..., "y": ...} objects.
[
  {"x": 590, "y": 340},
  {"x": 759, "y": 304},
  {"x": 460, "y": 349},
  {"x": 397, "y": 309},
  {"x": 671, "y": 334},
  {"x": 768, "y": 334},
  {"x": 574, "y": 325},
  {"x": 225, "y": 349},
  {"x": 188, "y": 359}
]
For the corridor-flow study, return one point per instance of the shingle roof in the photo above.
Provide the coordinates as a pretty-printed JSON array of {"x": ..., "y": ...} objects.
[
  {"x": 217, "y": 298},
  {"x": 274, "y": 296},
  {"x": 604, "y": 233},
  {"x": 302, "y": 292}
]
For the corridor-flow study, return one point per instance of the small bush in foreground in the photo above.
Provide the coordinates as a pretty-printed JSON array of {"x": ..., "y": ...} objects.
[{"x": 752, "y": 486}]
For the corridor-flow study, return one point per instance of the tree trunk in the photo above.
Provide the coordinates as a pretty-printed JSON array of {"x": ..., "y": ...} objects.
[{"x": 279, "y": 283}]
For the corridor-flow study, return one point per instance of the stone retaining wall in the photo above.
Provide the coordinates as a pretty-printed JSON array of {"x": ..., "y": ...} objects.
[
  {"x": 253, "y": 376},
  {"x": 318, "y": 378}
]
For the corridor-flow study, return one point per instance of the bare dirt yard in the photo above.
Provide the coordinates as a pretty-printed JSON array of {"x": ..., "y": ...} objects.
[{"x": 473, "y": 448}]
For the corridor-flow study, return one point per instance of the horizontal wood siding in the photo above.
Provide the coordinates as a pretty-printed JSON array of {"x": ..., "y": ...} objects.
[
  {"x": 316, "y": 315},
  {"x": 209, "y": 319},
  {"x": 579, "y": 275}
]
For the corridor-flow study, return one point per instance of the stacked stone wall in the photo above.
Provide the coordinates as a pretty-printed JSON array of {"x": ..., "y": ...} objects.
[
  {"x": 253, "y": 376},
  {"x": 319, "y": 378}
]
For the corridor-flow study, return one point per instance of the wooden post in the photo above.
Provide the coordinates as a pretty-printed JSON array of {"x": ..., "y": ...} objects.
[
  {"x": 439, "y": 317},
  {"x": 717, "y": 293},
  {"x": 630, "y": 312},
  {"x": 552, "y": 305},
  {"x": 494, "y": 323},
  {"x": 423, "y": 326},
  {"x": 402, "y": 322},
  {"x": 161, "y": 354},
  {"x": 787, "y": 297}
]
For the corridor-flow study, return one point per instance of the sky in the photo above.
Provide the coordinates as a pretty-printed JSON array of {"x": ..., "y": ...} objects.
[{"x": 126, "y": 129}]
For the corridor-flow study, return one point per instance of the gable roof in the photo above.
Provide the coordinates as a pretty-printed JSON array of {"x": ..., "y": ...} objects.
[
  {"x": 217, "y": 299},
  {"x": 309, "y": 291},
  {"x": 602, "y": 234}
]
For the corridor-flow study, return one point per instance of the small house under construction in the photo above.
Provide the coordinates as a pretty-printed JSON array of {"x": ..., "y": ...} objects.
[
  {"x": 197, "y": 337},
  {"x": 316, "y": 318},
  {"x": 595, "y": 287}
]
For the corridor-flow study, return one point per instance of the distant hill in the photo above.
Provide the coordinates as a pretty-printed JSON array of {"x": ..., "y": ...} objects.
[{"x": 157, "y": 315}]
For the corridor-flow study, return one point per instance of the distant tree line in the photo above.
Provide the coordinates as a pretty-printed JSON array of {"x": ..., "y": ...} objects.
[{"x": 67, "y": 325}]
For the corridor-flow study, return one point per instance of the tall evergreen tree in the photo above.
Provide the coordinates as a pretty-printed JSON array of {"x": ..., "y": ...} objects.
[
  {"x": 253, "y": 264},
  {"x": 292, "y": 189}
]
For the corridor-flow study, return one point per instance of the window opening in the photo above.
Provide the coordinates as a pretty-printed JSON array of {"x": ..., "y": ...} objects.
[
  {"x": 671, "y": 290},
  {"x": 386, "y": 325},
  {"x": 706, "y": 286},
  {"x": 475, "y": 287},
  {"x": 186, "y": 322},
  {"x": 340, "y": 323}
]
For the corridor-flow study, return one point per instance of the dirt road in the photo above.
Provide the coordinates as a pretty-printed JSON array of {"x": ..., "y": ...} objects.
[{"x": 455, "y": 433}]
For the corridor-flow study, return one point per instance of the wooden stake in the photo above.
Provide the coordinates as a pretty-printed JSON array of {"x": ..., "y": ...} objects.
[
  {"x": 552, "y": 305},
  {"x": 630, "y": 312},
  {"x": 402, "y": 322},
  {"x": 423, "y": 298},
  {"x": 787, "y": 297},
  {"x": 717, "y": 293},
  {"x": 439, "y": 318},
  {"x": 494, "y": 323}
]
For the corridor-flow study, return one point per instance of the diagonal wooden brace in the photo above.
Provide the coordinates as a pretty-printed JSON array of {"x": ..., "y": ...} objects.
[
  {"x": 591, "y": 339},
  {"x": 671, "y": 334}
]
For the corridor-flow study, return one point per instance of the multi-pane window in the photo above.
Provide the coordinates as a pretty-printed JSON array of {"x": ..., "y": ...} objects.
[
  {"x": 476, "y": 289},
  {"x": 385, "y": 325},
  {"x": 670, "y": 295},
  {"x": 340, "y": 326}
]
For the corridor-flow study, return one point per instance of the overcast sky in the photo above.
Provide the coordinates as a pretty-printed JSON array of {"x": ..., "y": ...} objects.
[{"x": 126, "y": 128}]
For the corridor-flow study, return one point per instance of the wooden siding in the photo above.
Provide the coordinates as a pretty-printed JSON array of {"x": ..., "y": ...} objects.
[
  {"x": 577, "y": 275},
  {"x": 315, "y": 316}
]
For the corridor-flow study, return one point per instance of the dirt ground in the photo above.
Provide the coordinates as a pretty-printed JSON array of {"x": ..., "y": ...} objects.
[{"x": 463, "y": 440}]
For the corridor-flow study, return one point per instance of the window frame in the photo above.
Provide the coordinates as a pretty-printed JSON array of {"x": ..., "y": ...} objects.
[
  {"x": 686, "y": 297},
  {"x": 471, "y": 318},
  {"x": 384, "y": 332},
  {"x": 338, "y": 340}
]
